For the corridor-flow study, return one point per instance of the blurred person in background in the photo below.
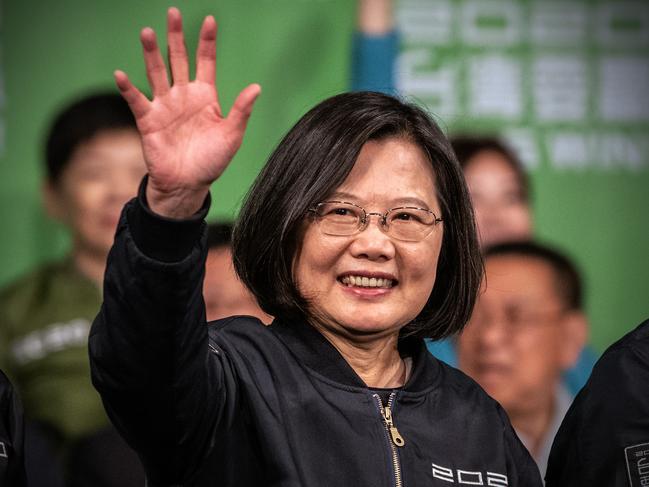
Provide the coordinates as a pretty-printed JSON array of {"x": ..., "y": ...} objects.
[
  {"x": 223, "y": 292},
  {"x": 527, "y": 328},
  {"x": 93, "y": 165},
  {"x": 499, "y": 188}
]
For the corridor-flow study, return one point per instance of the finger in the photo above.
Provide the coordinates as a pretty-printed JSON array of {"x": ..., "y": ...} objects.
[
  {"x": 206, "y": 52},
  {"x": 240, "y": 113},
  {"x": 156, "y": 71},
  {"x": 176, "y": 44},
  {"x": 138, "y": 103}
]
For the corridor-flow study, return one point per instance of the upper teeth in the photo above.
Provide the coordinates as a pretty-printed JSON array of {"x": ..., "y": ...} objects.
[{"x": 367, "y": 281}]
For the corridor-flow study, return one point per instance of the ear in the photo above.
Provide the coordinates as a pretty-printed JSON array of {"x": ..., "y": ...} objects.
[
  {"x": 52, "y": 201},
  {"x": 574, "y": 337}
]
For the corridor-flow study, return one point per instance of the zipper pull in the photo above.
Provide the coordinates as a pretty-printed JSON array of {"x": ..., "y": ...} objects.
[{"x": 397, "y": 439}]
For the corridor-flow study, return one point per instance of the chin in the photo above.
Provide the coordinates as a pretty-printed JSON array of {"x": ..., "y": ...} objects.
[{"x": 370, "y": 325}]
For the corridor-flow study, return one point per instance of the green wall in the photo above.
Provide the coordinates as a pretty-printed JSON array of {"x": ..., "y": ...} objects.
[{"x": 595, "y": 206}]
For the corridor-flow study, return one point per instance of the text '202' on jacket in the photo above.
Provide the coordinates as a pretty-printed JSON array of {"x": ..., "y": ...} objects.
[{"x": 237, "y": 403}]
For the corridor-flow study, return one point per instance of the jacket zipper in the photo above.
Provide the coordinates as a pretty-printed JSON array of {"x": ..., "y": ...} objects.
[{"x": 394, "y": 437}]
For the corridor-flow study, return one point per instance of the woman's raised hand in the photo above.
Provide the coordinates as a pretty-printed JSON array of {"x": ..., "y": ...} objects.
[{"x": 187, "y": 141}]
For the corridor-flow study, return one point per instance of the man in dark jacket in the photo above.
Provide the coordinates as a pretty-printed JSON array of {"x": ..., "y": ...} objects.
[{"x": 604, "y": 439}]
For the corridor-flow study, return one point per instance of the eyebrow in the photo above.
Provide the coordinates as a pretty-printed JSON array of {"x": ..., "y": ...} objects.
[{"x": 406, "y": 201}]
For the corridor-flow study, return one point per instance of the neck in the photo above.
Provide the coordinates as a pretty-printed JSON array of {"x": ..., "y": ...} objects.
[
  {"x": 534, "y": 423},
  {"x": 377, "y": 362},
  {"x": 91, "y": 265}
]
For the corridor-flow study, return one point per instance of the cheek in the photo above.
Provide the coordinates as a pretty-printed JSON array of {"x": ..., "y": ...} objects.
[
  {"x": 314, "y": 263},
  {"x": 88, "y": 198},
  {"x": 536, "y": 360},
  {"x": 421, "y": 266},
  {"x": 423, "y": 262}
]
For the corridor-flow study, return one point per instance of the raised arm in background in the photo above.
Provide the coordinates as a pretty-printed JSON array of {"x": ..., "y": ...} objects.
[{"x": 374, "y": 48}]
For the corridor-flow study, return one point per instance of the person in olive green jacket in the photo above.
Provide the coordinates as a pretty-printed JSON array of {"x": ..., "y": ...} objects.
[{"x": 94, "y": 164}]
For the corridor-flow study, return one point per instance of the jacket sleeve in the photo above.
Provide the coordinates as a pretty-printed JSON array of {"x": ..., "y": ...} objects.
[
  {"x": 373, "y": 62},
  {"x": 150, "y": 360}
]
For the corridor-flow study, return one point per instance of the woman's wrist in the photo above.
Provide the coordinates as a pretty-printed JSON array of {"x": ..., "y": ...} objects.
[{"x": 178, "y": 203}]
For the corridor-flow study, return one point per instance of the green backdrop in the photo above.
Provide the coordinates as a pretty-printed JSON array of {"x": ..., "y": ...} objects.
[
  {"x": 590, "y": 166},
  {"x": 52, "y": 52},
  {"x": 567, "y": 83}
]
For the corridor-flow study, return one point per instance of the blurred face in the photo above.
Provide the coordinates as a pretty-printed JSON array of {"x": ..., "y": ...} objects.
[
  {"x": 370, "y": 284},
  {"x": 518, "y": 340},
  {"x": 223, "y": 292},
  {"x": 101, "y": 176},
  {"x": 501, "y": 212}
]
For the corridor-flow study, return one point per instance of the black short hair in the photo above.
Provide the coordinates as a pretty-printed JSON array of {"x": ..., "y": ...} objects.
[
  {"x": 219, "y": 234},
  {"x": 467, "y": 146},
  {"x": 568, "y": 281},
  {"x": 311, "y": 161},
  {"x": 78, "y": 122}
]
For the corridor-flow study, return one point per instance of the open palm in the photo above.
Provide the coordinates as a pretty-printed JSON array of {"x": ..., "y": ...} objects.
[{"x": 187, "y": 141}]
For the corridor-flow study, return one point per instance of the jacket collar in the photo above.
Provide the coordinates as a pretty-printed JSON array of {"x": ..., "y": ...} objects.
[{"x": 315, "y": 352}]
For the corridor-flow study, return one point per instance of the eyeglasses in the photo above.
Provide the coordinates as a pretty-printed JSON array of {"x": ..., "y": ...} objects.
[{"x": 407, "y": 223}]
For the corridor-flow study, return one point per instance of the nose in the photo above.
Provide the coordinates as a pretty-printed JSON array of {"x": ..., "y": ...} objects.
[
  {"x": 380, "y": 221},
  {"x": 490, "y": 332},
  {"x": 123, "y": 186},
  {"x": 372, "y": 242}
]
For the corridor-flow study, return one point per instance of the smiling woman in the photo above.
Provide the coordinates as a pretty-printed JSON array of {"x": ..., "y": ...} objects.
[{"x": 339, "y": 389}]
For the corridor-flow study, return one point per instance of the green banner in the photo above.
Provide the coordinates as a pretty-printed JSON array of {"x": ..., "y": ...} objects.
[{"x": 567, "y": 83}]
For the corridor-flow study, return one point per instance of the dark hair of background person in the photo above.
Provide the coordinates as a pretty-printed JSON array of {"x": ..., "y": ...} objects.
[
  {"x": 313, "y": 159},
  {"x": 78, "y": 123},
  {"x": 567, "y": 277},
  {"x": 467, "y": 146},
  {"x": 219, "y": 234}
]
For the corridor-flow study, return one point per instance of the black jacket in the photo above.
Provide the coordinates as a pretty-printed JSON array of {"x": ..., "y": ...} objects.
[
  {"x": 604, "y": 439},
  {"x": 237, "y": 403},
  {"x": 12, "y": 434}
]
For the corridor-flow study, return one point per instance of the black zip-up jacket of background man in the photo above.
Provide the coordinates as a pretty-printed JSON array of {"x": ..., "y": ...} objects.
[
  {"x": 604, "y": 438},
  {"x": 237, "y": 403}
]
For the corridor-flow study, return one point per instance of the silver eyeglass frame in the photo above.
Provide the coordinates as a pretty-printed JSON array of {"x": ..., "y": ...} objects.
[{"x": 383, "y": 218}]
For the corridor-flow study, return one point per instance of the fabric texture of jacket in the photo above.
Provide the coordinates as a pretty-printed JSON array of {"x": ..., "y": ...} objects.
[
  {"x": 45, "y": 319},
  {"x": 604, "y": 439},
  {"x": 12, "y": 436},
  {"x": 237, "y": 403}
]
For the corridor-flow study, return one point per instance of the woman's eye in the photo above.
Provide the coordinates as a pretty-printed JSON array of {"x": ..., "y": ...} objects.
[
  {"x": 403, "y": 216},
  {"x": 341, "y": 211}
]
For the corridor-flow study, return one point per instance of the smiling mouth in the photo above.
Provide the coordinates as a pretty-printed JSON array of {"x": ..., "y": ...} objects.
[{"x": 369, "y": 282}]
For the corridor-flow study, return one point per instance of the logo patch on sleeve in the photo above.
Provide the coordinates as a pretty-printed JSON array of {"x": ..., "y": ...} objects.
[{"x": 637, "y": 464}]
